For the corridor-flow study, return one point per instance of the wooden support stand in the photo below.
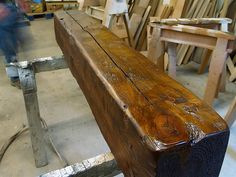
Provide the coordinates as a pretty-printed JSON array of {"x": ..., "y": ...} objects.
[
  {"x": 154, "y": 126},
  {"x": 219, "y": 42},
  {"x": 27, "y": 72}
]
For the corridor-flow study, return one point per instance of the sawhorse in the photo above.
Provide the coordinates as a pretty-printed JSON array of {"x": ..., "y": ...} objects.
[
  {"x": 27, "y": 71},
  {"x": 102, "y": 165}
]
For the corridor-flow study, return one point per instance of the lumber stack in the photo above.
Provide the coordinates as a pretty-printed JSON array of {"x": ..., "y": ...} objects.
[
  {"x": 140, "y": 14},
  {"x": 153, "y": 125}
]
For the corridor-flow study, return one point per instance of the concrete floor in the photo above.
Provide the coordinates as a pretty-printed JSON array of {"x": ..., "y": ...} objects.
[{"x": 63, "y": 106}]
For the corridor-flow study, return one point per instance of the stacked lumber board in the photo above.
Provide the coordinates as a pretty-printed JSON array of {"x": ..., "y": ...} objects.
[{"x": 140, "y": 14}]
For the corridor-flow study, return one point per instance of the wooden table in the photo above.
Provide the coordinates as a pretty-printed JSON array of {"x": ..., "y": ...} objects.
[{"x": 219, "y": 42}]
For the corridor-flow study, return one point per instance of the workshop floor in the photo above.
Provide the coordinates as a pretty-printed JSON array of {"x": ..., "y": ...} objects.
[{"x": 63, "y": 106}]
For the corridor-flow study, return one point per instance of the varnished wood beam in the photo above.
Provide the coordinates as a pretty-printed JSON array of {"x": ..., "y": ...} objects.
[{"x": 153, "y": 125}]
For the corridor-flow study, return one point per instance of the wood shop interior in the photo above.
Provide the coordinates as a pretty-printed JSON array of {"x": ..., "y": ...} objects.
[{"x": 102, "y": 88}]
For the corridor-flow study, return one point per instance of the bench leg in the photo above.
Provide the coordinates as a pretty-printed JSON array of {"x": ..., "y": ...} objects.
[
  {"x": 172, "y": 59},
  {"x": 215, "y": 71},
  {"x": 28, "y": 85}
]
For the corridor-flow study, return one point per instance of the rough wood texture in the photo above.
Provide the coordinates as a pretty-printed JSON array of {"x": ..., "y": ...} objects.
[
  {"x": 153, "y": 125},
  {"x": 28, "y": 86},
  {"x": 190, "y": 21},
  {"x": 103, "y": 166}
]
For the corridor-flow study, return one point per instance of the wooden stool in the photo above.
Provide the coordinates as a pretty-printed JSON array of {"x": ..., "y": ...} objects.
[{"x": 220, "y": 42}]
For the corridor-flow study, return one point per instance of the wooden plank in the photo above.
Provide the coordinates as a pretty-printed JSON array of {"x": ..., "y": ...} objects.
[
  {"x": 103, "y": 166},
  {"x": 156, "y": 50},
  {"x": 172, "y": 59},
  {"x": 141, "y": 27},
  {"x": 137, "y": 16},
  {"x": 178, "y": 10},
  {"x": 153, "y": 125},
  {"x": 142, "y": 40},
  {"x": 190, "y": 21}
]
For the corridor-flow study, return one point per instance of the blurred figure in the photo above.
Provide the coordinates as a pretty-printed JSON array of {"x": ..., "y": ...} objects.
[{"x": 8, "y": 38}]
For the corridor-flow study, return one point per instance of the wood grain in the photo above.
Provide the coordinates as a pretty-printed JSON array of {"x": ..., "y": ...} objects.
[{"x": 152, "y": 124}]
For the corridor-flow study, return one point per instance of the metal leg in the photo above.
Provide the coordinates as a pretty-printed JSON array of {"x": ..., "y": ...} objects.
[{"x": 28, "y": 85}]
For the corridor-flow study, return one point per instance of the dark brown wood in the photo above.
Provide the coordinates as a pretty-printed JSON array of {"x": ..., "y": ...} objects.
[{"x": 153, "y": 125}]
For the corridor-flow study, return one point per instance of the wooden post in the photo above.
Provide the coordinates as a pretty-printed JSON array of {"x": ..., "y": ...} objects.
[
  {"x": 157, "y": 49},
  {"x": 28, "y": 86},
  {"x": 217, "y": 64}
]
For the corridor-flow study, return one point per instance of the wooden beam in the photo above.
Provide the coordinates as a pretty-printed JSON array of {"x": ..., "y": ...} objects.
[
  {"x": 44, "y": 64},
  {"x": 103, "y": 166},
  {"x": 154, "y": 126}
]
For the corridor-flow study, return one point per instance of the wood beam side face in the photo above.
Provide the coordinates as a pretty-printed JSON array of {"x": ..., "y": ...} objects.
[{"x": 141, "y": 130}]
